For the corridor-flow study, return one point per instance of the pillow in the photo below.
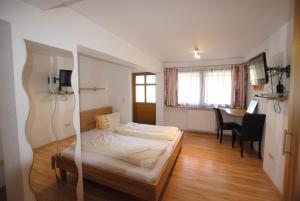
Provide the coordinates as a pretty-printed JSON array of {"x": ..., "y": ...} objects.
[
  {"x": 108, "y": 121},
  {"x": 102, "y": 122}
]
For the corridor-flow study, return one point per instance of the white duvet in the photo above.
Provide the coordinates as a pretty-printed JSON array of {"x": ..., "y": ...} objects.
[
  {"x": 148, "y": 131},
  {"x": 137, "y": 151}
]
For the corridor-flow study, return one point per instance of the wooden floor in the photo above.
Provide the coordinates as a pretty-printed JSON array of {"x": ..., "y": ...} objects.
[
  {"x": 205, "y": 170},
  {"x": 43, "y": 179}
]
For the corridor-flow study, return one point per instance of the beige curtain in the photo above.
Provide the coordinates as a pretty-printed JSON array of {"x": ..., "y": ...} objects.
[
  {"x": 171, "y": 84},
  {"x": 239, "y": 86}
]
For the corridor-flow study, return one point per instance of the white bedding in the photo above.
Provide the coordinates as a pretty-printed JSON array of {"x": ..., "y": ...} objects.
[
  {"x": 105, "y": 162},
  {"x": 136, "y": 151},
  {"x": 148, "y": 131}
]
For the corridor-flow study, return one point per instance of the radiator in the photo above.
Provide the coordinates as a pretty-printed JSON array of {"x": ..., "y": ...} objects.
[
  {"x": 201, "y": 120},
  {"x": 190, "y": 119}
]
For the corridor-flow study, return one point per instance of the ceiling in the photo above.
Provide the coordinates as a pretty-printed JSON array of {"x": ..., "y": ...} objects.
[{"x": 170, "y": 29}]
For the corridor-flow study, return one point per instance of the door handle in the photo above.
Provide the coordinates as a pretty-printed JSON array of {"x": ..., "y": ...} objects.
[{"x": 285, "y": 135}]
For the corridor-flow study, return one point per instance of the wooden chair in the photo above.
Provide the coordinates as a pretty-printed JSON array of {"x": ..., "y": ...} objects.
[
  {"x": 221, "y": 125},
  {"x": 251, "y": 130}
]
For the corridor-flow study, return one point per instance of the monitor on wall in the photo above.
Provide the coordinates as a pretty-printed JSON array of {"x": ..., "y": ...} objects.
[
  {"x": 258, "y": 70},
  {"x": 65, "y": 78}
]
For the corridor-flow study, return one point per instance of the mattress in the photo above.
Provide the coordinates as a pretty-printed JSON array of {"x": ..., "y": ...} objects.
[{"x": 105, "y": 162}]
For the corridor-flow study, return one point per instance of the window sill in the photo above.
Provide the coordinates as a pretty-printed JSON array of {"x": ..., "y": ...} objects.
[
  {"x": 194, "y": 108},
  {"x": 191, "y": 108}
]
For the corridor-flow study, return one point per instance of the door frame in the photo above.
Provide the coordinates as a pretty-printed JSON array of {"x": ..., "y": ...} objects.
[
  {"x": 134, "y": 95},
  {"x": 292, "y": 137}
]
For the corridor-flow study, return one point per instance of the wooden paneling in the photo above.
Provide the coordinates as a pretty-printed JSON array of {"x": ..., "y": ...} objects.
[
  {"x": 87, "y": 118},
  {"x": 292, "y": 163},
  {"x": 145, "y": 113},
  {"x": 205, "y": 170}
]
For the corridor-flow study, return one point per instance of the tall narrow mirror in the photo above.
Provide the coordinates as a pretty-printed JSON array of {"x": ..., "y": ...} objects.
[{"x": 49, "y": 127}]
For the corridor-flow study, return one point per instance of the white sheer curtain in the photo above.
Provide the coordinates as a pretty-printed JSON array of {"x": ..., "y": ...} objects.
[
  {"x": 189, "y": 88},
  {"x": 205, "y": 87},
  {"x": 217, "y": 87}
]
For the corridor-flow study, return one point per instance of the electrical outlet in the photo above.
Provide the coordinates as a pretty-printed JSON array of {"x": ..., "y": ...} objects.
[{"x": 67, "y": 124}]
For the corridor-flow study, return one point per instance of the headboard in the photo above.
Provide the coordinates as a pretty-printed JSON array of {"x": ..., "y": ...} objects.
[{"x": 87, "y": 118}]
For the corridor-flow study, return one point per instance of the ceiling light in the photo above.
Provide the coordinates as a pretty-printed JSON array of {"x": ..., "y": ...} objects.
[{"x": 196, "y": 53}]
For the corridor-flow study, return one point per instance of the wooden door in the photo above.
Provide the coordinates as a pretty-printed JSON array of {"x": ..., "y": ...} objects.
[
  {"x": 291, "y": 149},
  {"x": 144, "y": 98}
]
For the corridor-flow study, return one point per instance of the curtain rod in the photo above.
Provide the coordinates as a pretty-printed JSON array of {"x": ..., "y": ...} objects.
[{"x": 203, "y": 66}]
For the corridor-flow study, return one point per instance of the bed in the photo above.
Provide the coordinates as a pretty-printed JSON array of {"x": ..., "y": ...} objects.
[{"x": 146, "y": 184}]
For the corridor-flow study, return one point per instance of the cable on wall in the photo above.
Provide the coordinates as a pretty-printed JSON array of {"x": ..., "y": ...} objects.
[
  {"x": 53, "y": 96},
  {"x": 280, "y": 89}
]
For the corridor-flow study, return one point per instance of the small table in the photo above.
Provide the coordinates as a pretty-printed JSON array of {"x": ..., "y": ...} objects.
[{"x": 234, "y": 112}]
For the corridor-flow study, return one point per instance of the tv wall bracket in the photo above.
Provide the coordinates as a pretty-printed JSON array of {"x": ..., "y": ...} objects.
[{"x": 280, "y": 69}]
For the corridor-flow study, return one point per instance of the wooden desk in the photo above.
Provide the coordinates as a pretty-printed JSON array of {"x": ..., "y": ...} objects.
[{"x": 234, "y": 112}]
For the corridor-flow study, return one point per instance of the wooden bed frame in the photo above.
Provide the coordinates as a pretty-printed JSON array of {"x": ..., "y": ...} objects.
[{"x": 143, "y": 190}]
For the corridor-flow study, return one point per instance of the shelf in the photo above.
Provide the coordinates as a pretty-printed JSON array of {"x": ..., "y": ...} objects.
[
  {"x": 91, "y": 88},
  {"x": 280, "y": 98},
  {"x": 62, "y": 92}
]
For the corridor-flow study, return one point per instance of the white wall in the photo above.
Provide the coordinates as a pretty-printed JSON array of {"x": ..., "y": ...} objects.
[
  {"x": 92, "y": 73},
  {"x": 277, "y": 47},
  {"x": 120, "y": 93},
  {"x": 8, "y": 118},
  {"x": 201, "y": 62},
  {"x": 160, "y": 83},
  {"x": 114, "y": 78},
  {"x": 202, "y": 119},
  {"x": 39, "y": 66},
  {"x": 65, "y": 29}
]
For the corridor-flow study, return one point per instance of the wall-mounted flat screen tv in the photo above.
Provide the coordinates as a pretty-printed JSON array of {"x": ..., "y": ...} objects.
[
  {"x": 258, "y": 70},
  {"x": 65, "y": 78}
]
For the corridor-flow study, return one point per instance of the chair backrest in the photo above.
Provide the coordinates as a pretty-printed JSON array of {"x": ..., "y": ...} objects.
[
  {"x": 219, "y": 118},
  {"x": 253, "y": 126}
]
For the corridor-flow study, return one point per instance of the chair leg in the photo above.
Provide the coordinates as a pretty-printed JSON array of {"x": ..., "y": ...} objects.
[
  {"x": 259, "y": 149},
  {"x": 242, "y": 148},
  {"x": 221, "y": 136},
  {"x": 218, "y": 132},
  {"x": 233, "y": 139},
  {"x": 251, "y": 145}
]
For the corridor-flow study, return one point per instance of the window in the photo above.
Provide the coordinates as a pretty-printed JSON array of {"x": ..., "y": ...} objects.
[
  {"x": 189, "y": 88},
  {"x": 145, "y": 88},
  {"x": 204, "y": 87},
  {"x": 217, "y": 87}
]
